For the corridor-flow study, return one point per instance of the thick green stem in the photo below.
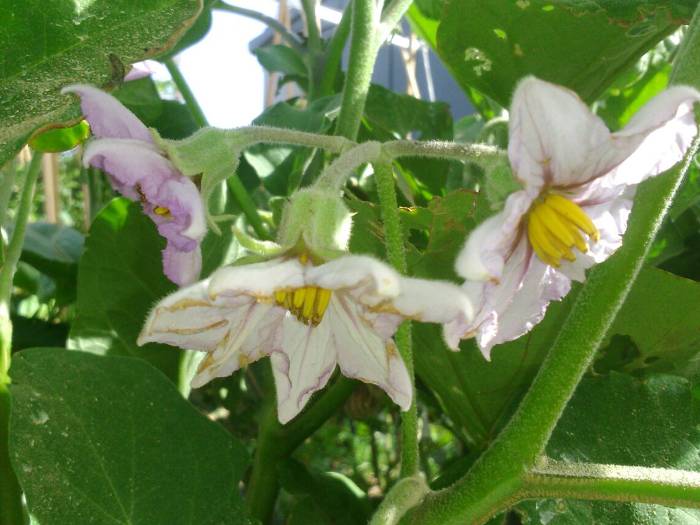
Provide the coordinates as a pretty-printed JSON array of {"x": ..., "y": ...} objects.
[
  {"x": 364, "y": 47},
  {"x": 186, "y": 92},
  {"x": 276, "y": 442},
  {"x": 396, "y": 255},
  {"x": 338, "y": 171},
  {"x": 553, "y": 479},
  {"x": 481, "y": 153},
  {"x": 10, "y": 493},
  {"x": 274, "y": 24},
  {"x": 497, "y": 479}
]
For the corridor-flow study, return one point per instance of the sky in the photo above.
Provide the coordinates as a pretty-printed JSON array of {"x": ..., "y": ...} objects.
[{"x": 226, "y": 78}]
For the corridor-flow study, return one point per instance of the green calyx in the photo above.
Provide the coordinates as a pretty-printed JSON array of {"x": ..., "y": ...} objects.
[{"x": 318, "y": 220}]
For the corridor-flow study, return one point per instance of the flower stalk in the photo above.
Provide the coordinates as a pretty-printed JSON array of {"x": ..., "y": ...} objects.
[
  {"x": 396, "y": 255},
  {"x": 10, "y": 492}
]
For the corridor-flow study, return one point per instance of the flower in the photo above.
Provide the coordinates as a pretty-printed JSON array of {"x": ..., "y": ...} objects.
[
  {"x": 124, "y": 149},
  {"x": 308, "y": 318},
  {"x": 578, "y": 183}
]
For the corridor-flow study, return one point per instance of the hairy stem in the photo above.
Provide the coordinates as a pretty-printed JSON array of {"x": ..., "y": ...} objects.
[
  {"x": 338, "y": 171},
  {"x": 364, "y": 47},
  {"x": 481, "y": 153},
  {"x": 334, "y": 54},
  {"x": 554, "y": 479},
  {"x": 396, "y": 255},
  {"x": 10, "y": 492}
]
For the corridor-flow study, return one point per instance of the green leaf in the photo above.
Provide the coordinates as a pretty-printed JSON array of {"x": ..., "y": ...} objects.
[
  {"x": 55, "y": 250},
  {"x": 321, "y": 495},
  {"x": 47, "y": 45},
  {"x": 654, "y": 422},
  {"x": 120, "y": 277},
  {"x": 55, "y": 139},
  {"x": 108, "y": 440},
  {"x": 655, "y": 318},
  {"x": 195, "y": 33},
  {"x": 503, "y": 40},
  {"x": 282, "y": 59}
]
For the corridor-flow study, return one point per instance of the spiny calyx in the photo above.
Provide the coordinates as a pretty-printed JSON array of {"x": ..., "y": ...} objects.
[{"x": 555, "y": 225}]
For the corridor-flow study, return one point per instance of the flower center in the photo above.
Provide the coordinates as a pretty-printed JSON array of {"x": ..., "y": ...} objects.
[
  {"x": 555, "y": 225},
  {"x": 307, "y": 304},
  {"x": 163, "y": 212}
]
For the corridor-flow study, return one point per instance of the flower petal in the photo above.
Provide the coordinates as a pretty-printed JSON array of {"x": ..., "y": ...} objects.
[
  {"x": 552, "y": 133},
  {"x": 303, "y": 366},
  {"x": 182, "y": 267},
  {"x": 130, "y": 163},
  {"x": 657, "y": 136},
  {"x": 435, "y": 302},
  {"x": 187, "y": 319},
  {"x": 107, "y": 116},
  {"x": 513, "y": 306},
  {"x": 184, "y": 224},
  {"x": 260, "y": 280},
  {"x": 364, "y": 355},
  {"x": 365, "y": 278},
  {"x": 488, "y": 246},
  {"x": 232, "y": 352}
]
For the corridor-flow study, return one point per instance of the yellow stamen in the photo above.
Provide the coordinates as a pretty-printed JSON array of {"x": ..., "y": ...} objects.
[
  {"x": 574, "y": 213},
  {"x": 321, "y": 304},
  {"x": 308, "y": 309},
  {"x": 299, "y": 297},
  {"x": 162, "y": 211},
  {"x": 555, "y": 225}
]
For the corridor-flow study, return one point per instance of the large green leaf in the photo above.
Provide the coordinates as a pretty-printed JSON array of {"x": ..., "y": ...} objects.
[
  {"x": 108, "y": 440},
  {"x": 619, "y": 419},
  {"x": 582, "y": 45},
  {"x": 47, "y": 45},
  {"x": 663, "y": 334},
  {"x": 120, "y": 277}
]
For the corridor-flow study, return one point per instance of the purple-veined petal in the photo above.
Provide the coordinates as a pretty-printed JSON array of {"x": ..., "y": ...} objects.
[
  {"x": 260, "y": 280},
  {"x": 107, "y": 116},
  {"x": 182, "y": 267},
  {"x": 232, "y": 352},
  {"x": 185, "y": 223},
  {"x": 657, "y": 136},
  {"x": 362, "y": 354},
  {"x": 484, "y": 254},
  {"x": 187, "y": 319},
  {"x": 130, "y": 163},
  {"x": 367, "y": 279},
  {"x": 552, "y": 134},
  {"x": 303, "y": 366}
]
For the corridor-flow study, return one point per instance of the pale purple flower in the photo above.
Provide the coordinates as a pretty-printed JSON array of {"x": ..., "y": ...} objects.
[
  {"x": 308, "y": 319},
  {"x": 578, "y": 183},
  {"x": 125, "y": 151}
]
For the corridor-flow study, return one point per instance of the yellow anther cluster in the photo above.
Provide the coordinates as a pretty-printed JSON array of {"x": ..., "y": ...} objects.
[
  {"x": 162, "y": 211},
  {"x": 307, "y": 304},
  {"x": 555, "y": 226}
]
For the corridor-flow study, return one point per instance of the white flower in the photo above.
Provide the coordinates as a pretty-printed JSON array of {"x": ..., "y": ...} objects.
[
  {"x": 307, "y": 319},
  {"x": 578, "y": 184}
]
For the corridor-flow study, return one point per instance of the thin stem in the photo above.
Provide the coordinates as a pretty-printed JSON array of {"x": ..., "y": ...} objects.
[
  {"x": 186, "y": 92},
  {"x": 251, "y": 135},
  {"x": 396, "y": 255},
  {"x": 334, "y": 54},
  {"x": 274, "y": 24},
  {"x": 10, "y": 492},
  {"x": 338, "y": 171},
  {"x": 6, "y": 187},
  {"x": 674, "y": 488},
  {"x": 481, "y": 153},
  {"x": 364, "y": 47},
  {"x": 250, "y": 210},
  {"x": 392, "y": 15},
  {"x": 312, "y": 29}
]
